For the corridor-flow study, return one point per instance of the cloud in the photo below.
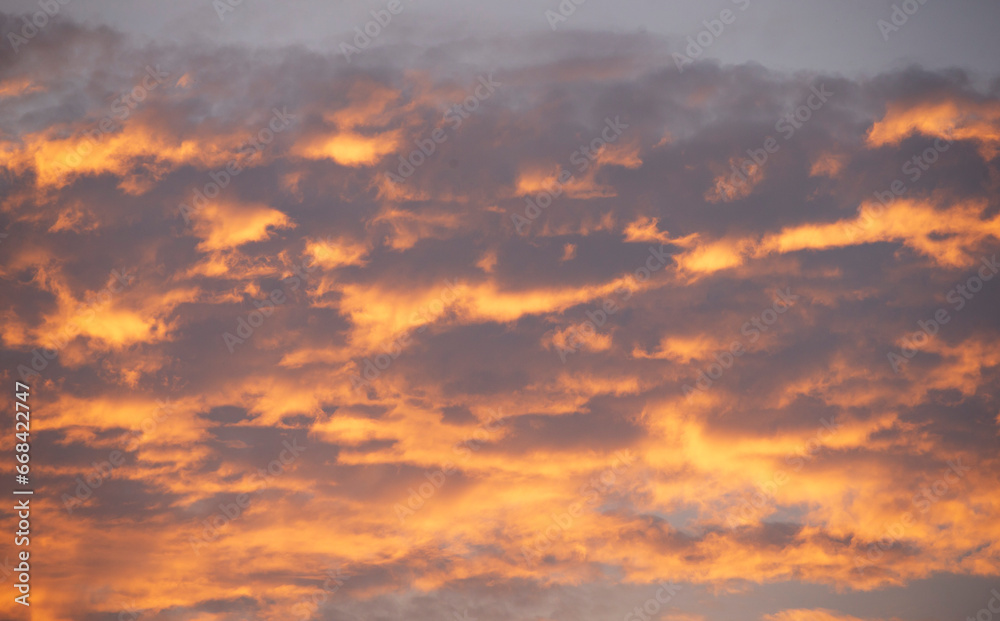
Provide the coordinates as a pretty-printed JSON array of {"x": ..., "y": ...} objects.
[{"x": 383, "y": 326}]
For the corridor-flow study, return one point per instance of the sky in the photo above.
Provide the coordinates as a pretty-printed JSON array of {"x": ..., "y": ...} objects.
[{"x": 415, "y": 310}]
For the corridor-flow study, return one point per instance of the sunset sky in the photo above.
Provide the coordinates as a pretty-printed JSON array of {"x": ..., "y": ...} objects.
[{"x": 414, "y": 310}]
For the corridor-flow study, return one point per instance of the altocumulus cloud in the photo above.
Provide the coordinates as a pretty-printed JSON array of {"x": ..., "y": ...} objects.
[{"x": 379, "y": 254}]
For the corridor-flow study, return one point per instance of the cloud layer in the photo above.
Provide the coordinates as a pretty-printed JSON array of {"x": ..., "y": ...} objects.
[{"x": 519, "y": 343}]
